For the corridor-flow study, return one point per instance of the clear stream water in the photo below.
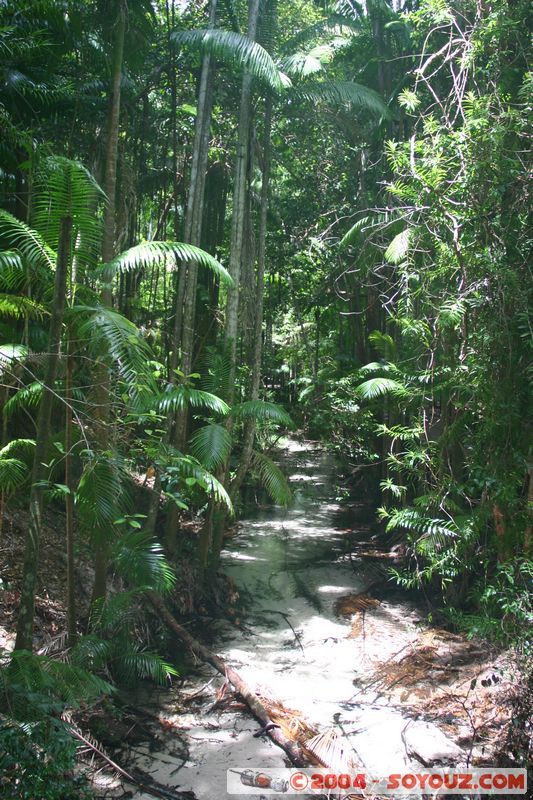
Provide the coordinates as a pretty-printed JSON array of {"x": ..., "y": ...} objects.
[{"x": 290, "y": 565}]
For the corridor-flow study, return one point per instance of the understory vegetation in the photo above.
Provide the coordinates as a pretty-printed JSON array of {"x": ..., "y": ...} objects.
[{"x": 221, "y": 222}]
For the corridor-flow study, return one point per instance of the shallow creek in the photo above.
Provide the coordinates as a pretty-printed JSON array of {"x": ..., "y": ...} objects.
[{"x": 291, "y": 566}]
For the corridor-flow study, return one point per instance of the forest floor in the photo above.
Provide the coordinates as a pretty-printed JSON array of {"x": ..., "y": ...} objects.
[{"x": 467, "y": 688}]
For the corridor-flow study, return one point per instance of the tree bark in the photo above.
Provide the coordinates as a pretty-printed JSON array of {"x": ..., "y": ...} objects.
[
  {"x": 249, "y": 431},
  {"x": 108, "y": 251},
  {"x": 239, "y": 207},
  {"x": 33, "y": 536},
  {"x": 69, "y": 507}
]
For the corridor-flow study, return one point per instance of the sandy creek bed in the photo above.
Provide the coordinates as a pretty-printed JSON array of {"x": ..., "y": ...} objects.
[{"x": 399, "y": 693}]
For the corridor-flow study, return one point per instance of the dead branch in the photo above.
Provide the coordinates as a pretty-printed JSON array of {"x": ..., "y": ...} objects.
[{"x": 253, "y": 702}]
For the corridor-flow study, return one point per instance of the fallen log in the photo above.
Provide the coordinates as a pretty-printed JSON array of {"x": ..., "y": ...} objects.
[{"x": 252, "y": 701}]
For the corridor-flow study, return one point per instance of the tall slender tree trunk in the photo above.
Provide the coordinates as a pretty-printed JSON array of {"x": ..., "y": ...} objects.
[
  {"x": 39, "y": 474},
  {"x": 108, "y": 251},
  {"x": 69, "y": 505},
  {"x": 213, "y": 530},
  {"x": 239, "y": 207},
  {"x": 185, "y": 307},
  {"x": 249, "y": 431}
]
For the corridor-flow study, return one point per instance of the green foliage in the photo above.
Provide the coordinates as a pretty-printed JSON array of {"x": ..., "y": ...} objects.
[
  {"x": 262, "y": 410},
  {"x": 236, "y": 50},
  {"x": 166, "y": 254},
  {"x": 211, "y": 445},
  {"x": 272, "y": 478}
]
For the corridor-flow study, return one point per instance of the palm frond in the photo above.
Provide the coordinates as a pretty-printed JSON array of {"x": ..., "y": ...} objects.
[
  {"x": 20, "y": 307},
  {"x": 343, "y": 93},
  {"x": 29, "y": 243},
  {"x": 216, "y": 371},
  {"x": 113, "y": 613},
  {"x": 102, "y": 493},
  {"x": 133, "y": 662},
  {"x": 28, "y": 397},
  {"x": 13, "y": 473},
  {"x": 140, "y": 560},
  {"x": 432, "y": 533},
  {"x": 262, "y": 410},
  {"x": 380, "y": 366},
  {"x": 184, "y": 467},
  {"x": 383, "y": 343},
  {"x": 272, "y": 478},
  {"x": 378, "y": 387},
  {"x": 12, "y": 273},
  {"x": 167, "y": 254},
  {"x": 65, "y": 188},
  {"x": 237, "y": 50},
  {"x": 106, "y": 328},
  {"x": 211, "y": 445},
  {"x": 180, "y": 397},
  {"x": 398, "y": 248}
]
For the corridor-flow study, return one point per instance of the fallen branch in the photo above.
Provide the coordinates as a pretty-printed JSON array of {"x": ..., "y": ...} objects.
[{"x": 255, "y": 705}]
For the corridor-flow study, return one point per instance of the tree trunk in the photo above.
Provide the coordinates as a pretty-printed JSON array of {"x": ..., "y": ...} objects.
[
  {"x": 39, "y": 470},
  {"x": 108, "y": 251},
  {"x": 184, "y": 319},
  {"x": 69, "y": 506},
  {"x": 249, "y": 431},
  {"x": 239, "y": 207}
]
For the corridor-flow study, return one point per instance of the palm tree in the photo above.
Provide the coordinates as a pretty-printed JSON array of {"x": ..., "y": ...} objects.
[{"x": 63, "y": 211}]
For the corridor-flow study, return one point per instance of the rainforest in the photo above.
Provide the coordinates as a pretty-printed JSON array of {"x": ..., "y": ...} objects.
[{"x": 266, "y": 369}]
